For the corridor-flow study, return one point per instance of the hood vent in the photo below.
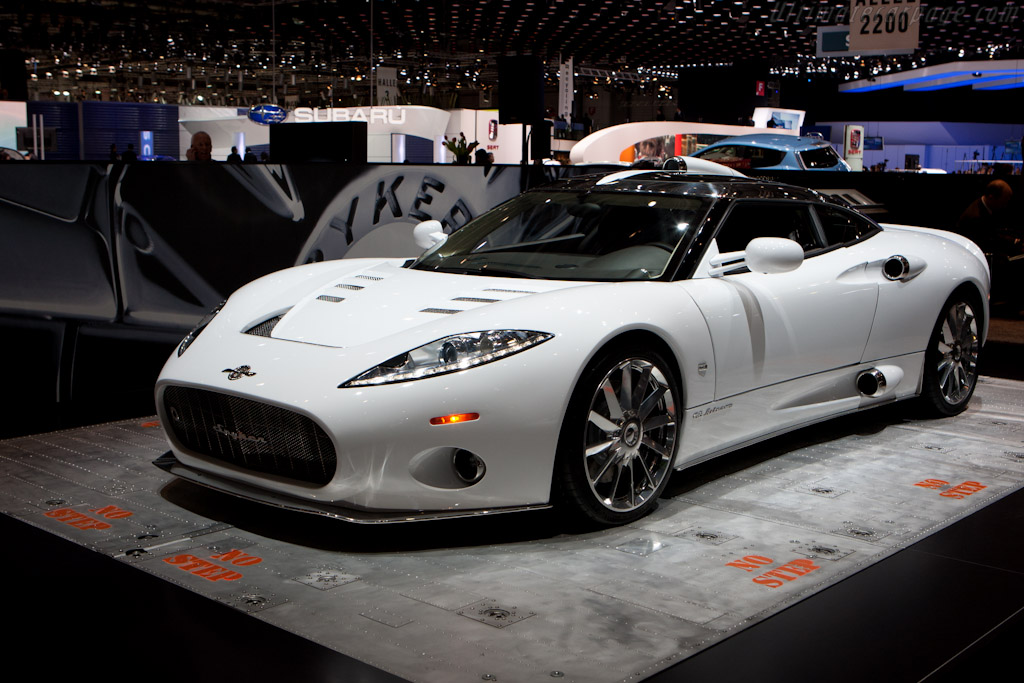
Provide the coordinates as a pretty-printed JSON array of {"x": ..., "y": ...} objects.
[
  {"x": 367, "y": 277},
  {"x": 264, "y": 328},
  {"x": 442, "y": 311},
  {"x": 332, "y": 299},
  {"x": 510, "y": 291},
  {"x": 476, "y": 300},
  {"x": 354, "y": 288}
]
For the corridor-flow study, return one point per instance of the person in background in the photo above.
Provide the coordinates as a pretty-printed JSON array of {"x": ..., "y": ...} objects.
[
  {"x": 202, "y": 147},
  {"x": 250, "y": 156},
  {"x": 989, "y": 223},
  {"x": 114, "y": 156},
  {"x": 129, "y": 154},
  {"x": 233, "y": 158}
]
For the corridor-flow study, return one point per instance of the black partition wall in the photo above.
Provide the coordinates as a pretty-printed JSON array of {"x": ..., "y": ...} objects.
[{"x": 103, "y": 267}]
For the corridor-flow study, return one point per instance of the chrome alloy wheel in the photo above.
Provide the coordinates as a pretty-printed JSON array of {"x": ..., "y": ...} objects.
[
  {"x": 957, "y": 350},
  {"x": 630, "y": 435}
]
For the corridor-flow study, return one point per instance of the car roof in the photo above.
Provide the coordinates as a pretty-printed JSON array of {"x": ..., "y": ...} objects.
[
  {"x": 683, "y": 184},
  {"x": 790, "y": 143}
]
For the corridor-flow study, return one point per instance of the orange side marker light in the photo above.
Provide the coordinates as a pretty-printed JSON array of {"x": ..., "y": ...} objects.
[{"x": 454, "y": 419}]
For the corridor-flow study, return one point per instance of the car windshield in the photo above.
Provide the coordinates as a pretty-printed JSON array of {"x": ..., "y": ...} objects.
[{"x": 572, "y": 236}]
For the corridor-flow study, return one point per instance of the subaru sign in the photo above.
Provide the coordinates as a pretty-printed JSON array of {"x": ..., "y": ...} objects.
[{"x": 265, "y": 114}]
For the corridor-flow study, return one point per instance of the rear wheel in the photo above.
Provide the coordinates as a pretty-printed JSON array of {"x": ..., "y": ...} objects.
[
  {"x": 618, "y": 440},
  {"x": 951, "y": 360}
]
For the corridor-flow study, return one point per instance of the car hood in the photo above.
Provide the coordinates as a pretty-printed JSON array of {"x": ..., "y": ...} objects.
[{"x": 379, "y": 301}]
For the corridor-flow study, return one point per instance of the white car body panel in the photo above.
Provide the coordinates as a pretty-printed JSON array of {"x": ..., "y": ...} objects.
[
  {"x": 756, "y": 354},
  {"x": 761, "y": 324},
  {"x": 518, "y": 423}
]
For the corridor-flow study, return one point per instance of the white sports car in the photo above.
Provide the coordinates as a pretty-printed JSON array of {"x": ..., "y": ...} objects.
[{"x": 570, "y": 347}]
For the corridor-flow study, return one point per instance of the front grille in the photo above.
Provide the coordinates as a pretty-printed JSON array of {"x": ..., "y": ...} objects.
[{"x": 249, "y": 434}]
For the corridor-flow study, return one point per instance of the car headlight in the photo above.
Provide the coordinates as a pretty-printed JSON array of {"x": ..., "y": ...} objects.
[
  {"x": 191, "y": 336},
  {"x": 450, "y": 354}
]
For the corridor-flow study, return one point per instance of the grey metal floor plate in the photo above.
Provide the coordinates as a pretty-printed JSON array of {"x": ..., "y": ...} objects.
[{"x": 516, "y": 597}]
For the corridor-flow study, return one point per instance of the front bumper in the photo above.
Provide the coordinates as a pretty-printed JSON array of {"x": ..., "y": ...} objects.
[
  {"x": 389, "y": 456},
  {"x": 171, "y": 464}
]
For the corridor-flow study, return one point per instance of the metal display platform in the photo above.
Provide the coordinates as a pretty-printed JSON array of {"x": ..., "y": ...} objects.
[{"x": 521, "y": 597}]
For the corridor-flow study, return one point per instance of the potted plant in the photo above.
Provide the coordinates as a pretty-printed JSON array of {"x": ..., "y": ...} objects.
[{"x": 460, "y": 148}]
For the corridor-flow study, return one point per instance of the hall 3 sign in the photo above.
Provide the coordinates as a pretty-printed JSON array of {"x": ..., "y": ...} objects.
[{"x": 884, "y": 26}]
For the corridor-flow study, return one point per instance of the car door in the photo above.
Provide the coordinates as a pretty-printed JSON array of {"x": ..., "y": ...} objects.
[{"x": 771, "y": 328}]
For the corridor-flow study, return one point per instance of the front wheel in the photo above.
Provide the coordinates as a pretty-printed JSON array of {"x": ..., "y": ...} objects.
[
  {"x": 618, "y": 440},
  {"x": 951, "y": 360}
]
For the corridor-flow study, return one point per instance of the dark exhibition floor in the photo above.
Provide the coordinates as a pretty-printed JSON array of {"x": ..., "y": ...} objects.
[{"x": 947, "y": 607}]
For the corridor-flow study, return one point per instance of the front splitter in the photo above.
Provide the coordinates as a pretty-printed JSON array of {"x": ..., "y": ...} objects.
[{"x": 169, "y": 463}]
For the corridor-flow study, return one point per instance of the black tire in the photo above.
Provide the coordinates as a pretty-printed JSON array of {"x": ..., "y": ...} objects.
[
  {"x": 617, "y": 445},
  {"x": 951, "y": 359}
]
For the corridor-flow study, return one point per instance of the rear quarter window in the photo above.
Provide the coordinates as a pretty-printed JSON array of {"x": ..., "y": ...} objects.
[{"x": 822, "y": 157}]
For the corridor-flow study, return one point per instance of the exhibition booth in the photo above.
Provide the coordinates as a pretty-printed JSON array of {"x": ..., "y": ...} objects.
[
  {"x": 416, "y": 134},
  {"x": 102, "y": 276},
  {"x": 59, "y": 131}
]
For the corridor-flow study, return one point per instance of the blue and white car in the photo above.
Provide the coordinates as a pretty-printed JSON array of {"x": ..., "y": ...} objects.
[{"x": 773, "y": 152}]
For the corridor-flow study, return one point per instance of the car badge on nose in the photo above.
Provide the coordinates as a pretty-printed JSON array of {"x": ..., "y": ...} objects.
[{"x": 239, "y": 372}]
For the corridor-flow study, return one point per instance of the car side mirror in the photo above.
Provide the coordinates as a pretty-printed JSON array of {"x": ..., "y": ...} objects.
[
  {"x": 428, "y": 234},
  {"x": 773, "y": 255},
  {"x": 762, "y": 255}
]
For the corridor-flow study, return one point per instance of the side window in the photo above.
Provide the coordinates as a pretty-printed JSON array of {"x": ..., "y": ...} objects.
[
  {"x": 748, "y": 220},
  {"x": 842, "y": 227},
  {"x": 717, "y": 153},
  {"x": 743, "y": 156},
  {"x": 759, "y": 157}
]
